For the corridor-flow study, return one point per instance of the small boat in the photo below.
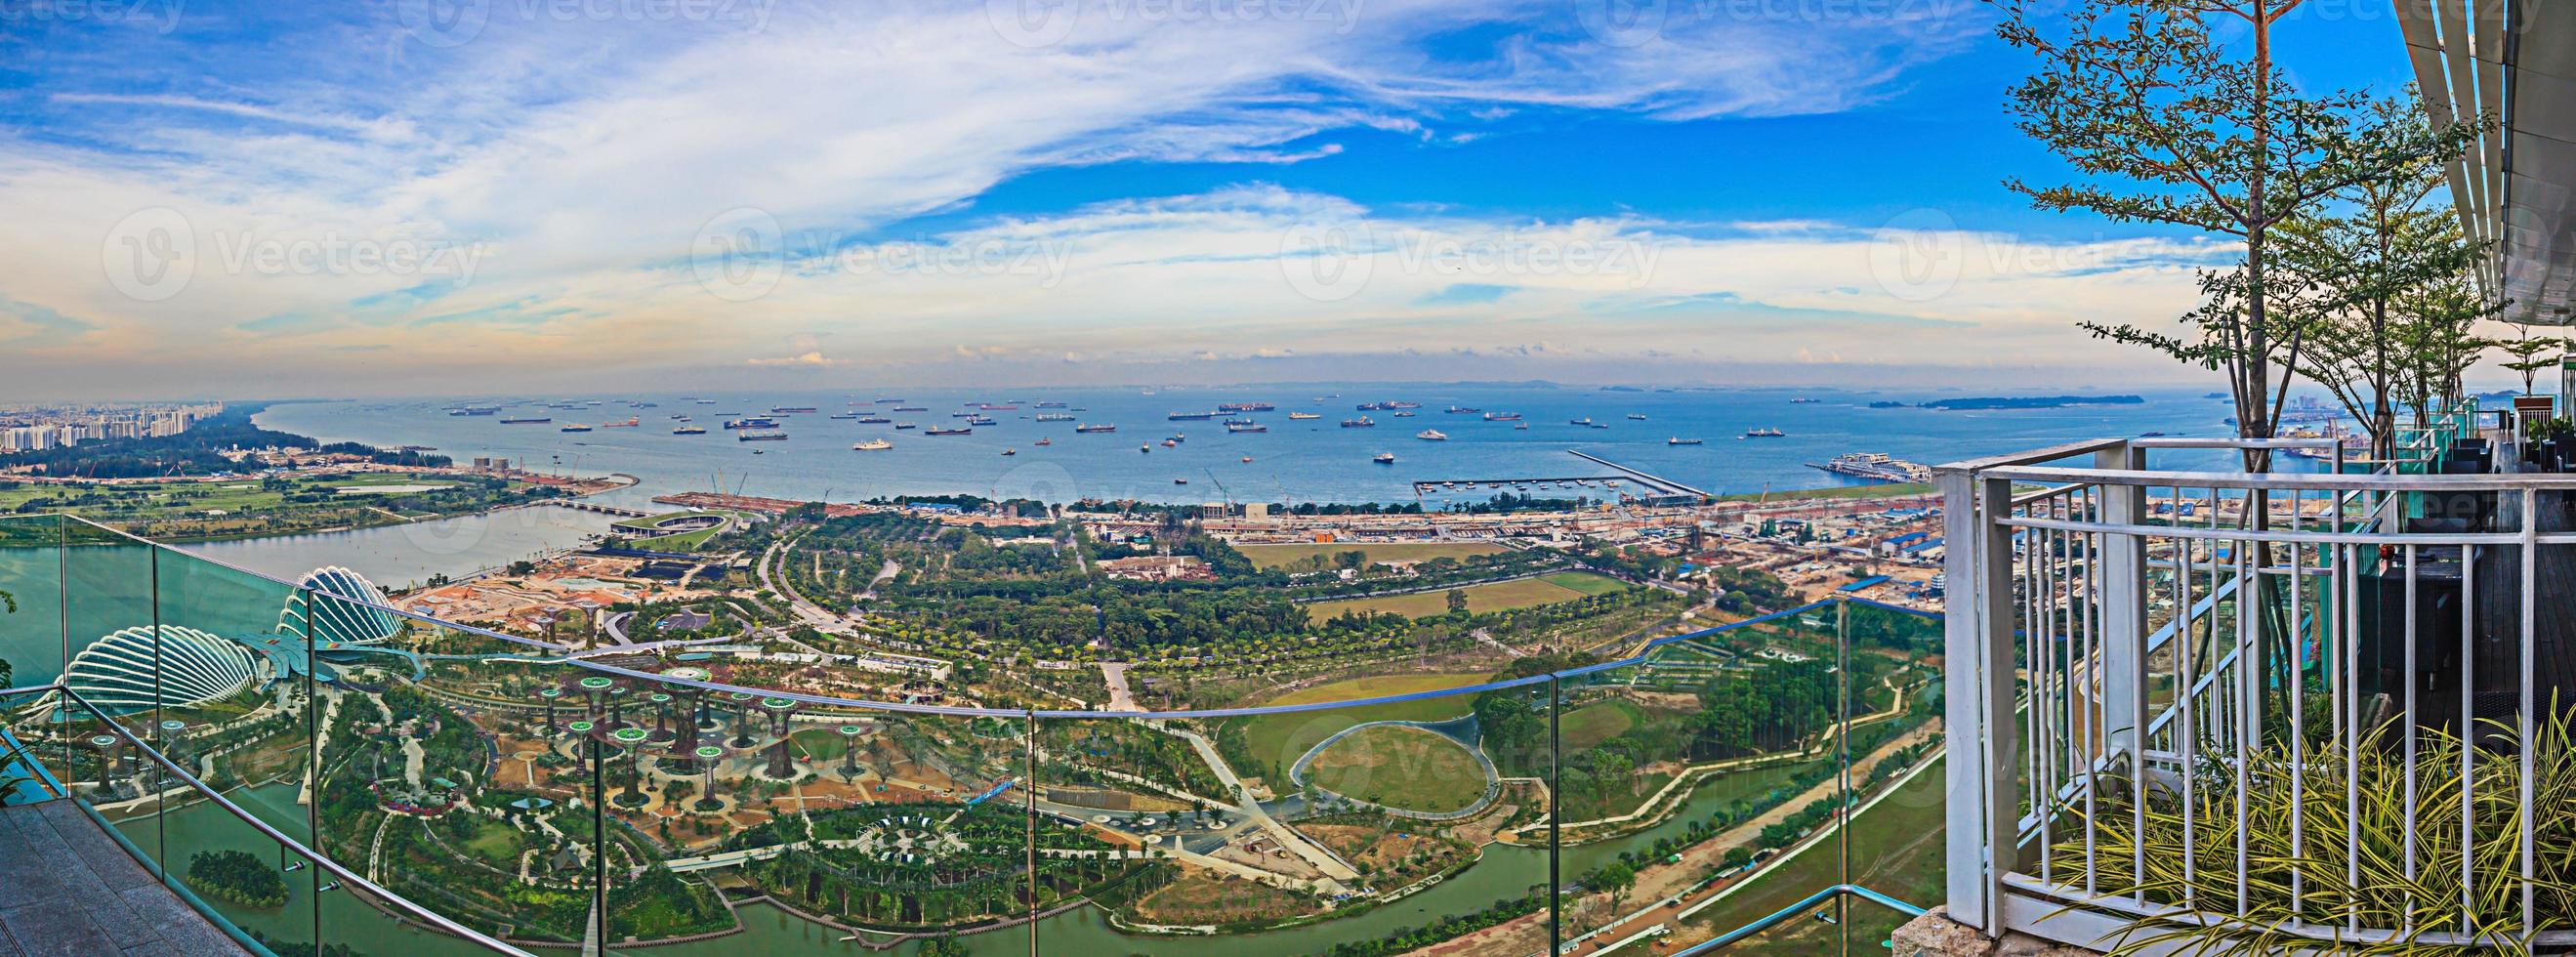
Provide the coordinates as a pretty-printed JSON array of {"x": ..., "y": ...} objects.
[
  {"x": 872, "y": 445},
  {"x": 1145, "y": 449},
  {"x": 689, "y": 430},
  {"x": 576, "y": 428},
  {"x": 1010, "y": 451},
  {"x": 1636, "y": 417},
  {"x": 1520, "y": 426},
  {"x": 1464, "y": 408},
  {"x": 905, "y": 425},
  {"x": 1586, "y": 420},
  {"x": 1363, "y": 422},
  {"x": 1678, "y": 440},
  {"x": 1180, "y": 481},
  {"x": 1042, "y": 443},
  {"x": 1247, "y": 458},
  {"x": 1167, "y": 443},
  {"x": 1431, "y": 435},
  {"x": 1502, "y": 416},
  {"x": 1384, "y": 458},
  {"x": 1404, "y": 415}
]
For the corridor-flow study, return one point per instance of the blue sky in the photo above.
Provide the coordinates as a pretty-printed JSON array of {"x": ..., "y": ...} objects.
[{"x": 466, "y": 195}]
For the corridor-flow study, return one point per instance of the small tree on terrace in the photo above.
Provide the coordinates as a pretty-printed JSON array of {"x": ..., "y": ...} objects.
[{"x": 2530, "y": 355}]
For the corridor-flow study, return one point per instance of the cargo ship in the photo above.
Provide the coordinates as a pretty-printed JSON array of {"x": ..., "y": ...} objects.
[
  {"x": 1245, "y": 407},
  {"x": 527, "y": 420},
  {"x": 1246, "y": 427},
  {"x": 761, "y": 435},
  {"x": 990, "y": 407},
  {"x": 981, "y": 420},
  {"x": 1385, "y": 406},
  {"x": 1678, "y": 440},
  {"x": 1190, "y": 416},
  {"x": 1054, "y": 417},
  {"x": 845, "y": 415},
  {"x": 1636, "y": 417},
  {"x": 1295, "y": 416},
  {"x": 1431, "y": 435},
  {"x": 576, "y": 427},
  {"x": 786, "y": 409},
  {"x": 630, "y": 422},
  {"x": 957, "y": 430},
  {"x": 873, "y": 420},
  {"x": 1585, "y": 421},
  {"x": 872, "y": 445},
  {"x": 753, "y": 422},
  {"x": 1502, "y": 416},
  {"x": 1876, "y": 466},
  {"x": 1050, "y": 405},
  {"x": 1763, "y": 433},
  {"x": 476, "y": 410},
  {"x": 690, "y": 430},
  {"x": 1458, "y": 409},
  {"x": 905, "y": 425},
  {"x": 912, "y": 408},
  {"x": 1363, "y": 422},
  {"x": 1088, "y": 428}
]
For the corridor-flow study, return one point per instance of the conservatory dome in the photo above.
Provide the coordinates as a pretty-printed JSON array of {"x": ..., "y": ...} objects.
[
  {"x": 116, "y": 672},
  {"x": 333, "y": 606}
]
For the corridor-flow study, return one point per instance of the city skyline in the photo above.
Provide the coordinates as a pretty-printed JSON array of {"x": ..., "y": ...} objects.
[{"x": 435, "y": 198}]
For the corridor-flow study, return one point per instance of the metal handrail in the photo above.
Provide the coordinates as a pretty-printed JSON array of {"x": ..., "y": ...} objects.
[{"x": 1775, "y": 917}]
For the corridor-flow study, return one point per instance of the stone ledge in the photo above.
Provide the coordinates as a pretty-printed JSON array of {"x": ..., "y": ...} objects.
[{"x": 1936, "y": 935}]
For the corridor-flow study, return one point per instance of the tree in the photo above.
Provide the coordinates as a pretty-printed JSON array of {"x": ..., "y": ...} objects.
[
  {"x": 2341, "y": 274},
  {"x": 2527, "y": 353},
  {"x": 1457, "y": 601},
  {"x": 2168, "y": 123},
  {"x": 1619, "y": 877}
]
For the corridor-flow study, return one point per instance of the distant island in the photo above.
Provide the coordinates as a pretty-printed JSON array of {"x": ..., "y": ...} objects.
[{"x": 2018, "y": 402}]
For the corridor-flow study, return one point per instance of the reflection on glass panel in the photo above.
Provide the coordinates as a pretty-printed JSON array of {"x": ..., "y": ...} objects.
[{"x": 31, "y": 633}]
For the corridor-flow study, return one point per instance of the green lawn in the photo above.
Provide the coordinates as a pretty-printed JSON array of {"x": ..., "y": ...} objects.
[
  {"x": 1399, "y": 767},
  {"x": 1273, "y": 556},
  {"x": 1275, "y": 741},
  {"x": 1586, "y": 582},
  {"x": 820, "y": 744},
  {"x": 1896, "y": 848},
  {"x": 1594, "y": 723},
  {"x": 1498, "y": 596},
  {"x": 496, "y": 843}
]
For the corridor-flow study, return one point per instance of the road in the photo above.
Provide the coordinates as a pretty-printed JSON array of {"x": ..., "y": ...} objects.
[{"x": 1115, "y": 674}]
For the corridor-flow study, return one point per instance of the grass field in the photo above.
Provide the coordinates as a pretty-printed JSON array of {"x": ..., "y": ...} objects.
[
  {"x": 1273, "y": 556},
  {"x": 1594, "y": 723},
  {"x": 1896, "y": 850},
  {"x": 496, "y": 843},
  {"x": 820, "y": 744},
  {"x": 1276, "y": 740},
  {"x": 1498, "y": 596},
  {"x": 1399, "y": 767}
]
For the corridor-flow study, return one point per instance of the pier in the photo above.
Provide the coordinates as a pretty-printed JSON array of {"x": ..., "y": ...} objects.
[{"x": 1647, "y": 485}]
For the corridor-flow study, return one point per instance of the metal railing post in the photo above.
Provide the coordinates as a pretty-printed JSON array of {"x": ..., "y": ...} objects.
[
  {"x": 1977, "y": 712},
  {"x": 2122, "y": 606}
]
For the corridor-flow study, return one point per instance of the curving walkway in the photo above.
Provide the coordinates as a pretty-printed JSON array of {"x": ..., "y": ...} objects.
[{"x": 1461, "y": 729}]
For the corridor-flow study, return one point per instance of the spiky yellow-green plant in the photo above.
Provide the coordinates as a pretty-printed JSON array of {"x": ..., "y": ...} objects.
[{"x": 2347, "y": 863}]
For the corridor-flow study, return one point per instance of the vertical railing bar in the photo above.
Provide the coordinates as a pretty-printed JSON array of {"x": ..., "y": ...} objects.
[
  {"x": 2187, "y": 742},
  {"x": 2529, "y": 725},
  {"x": 2411, "y": 720},
  {"x": 2468, "y": 737},
  {"x": 2299, "y": 721},
  {"x": 2245, "y": 642},
  {"x": 2348, "y": 719},
  {"x": 2041, "y": 647}
]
